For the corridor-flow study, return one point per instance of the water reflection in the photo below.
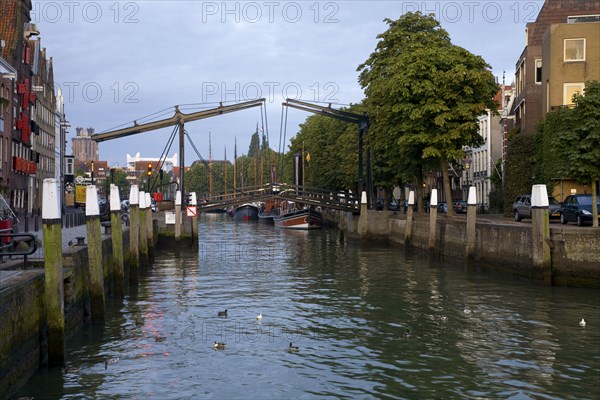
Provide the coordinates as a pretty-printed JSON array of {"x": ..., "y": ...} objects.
[{"x": 369, "y": 320}]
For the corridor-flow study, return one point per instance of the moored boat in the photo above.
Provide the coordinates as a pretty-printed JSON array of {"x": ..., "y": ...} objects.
[
  {"x": 301, "y": 219},
  {"x": 246, "y": 212},
  {"x": 268, "y": 211}
]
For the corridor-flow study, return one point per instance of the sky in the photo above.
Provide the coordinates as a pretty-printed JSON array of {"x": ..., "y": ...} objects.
[{"x": 120, "y": 61}]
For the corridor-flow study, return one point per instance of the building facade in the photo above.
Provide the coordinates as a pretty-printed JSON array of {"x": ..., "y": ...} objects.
[
  {"x": 84, "y": 149},
  {"x": 529, "y": 107}
]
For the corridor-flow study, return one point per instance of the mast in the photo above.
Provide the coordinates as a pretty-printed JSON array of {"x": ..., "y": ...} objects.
[
  {"x": 234, "y": 165},
  {"x": 225, "y": 170},
  {"x": 210, "y": 180}
]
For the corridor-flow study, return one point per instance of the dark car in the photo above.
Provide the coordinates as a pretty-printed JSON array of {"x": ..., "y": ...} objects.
[
  {"x": 460, "y": 207},
  {"x": 442, "y": 207},
  {"x": 522, "y": 207},
  {"x": 578, "y": 208}
]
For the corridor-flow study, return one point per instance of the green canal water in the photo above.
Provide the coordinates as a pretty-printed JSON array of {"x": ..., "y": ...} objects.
[{"x": 370, "y": 322}]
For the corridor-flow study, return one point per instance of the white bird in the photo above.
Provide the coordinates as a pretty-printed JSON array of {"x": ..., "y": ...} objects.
[
  {"x": 259, "y": 317},
  {"x": 467, "y": 310},
  {"x": 582, "y": 322},
  {"x": 219, "y": 345}
]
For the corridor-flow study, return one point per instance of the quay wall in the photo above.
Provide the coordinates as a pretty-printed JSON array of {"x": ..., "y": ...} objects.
[
  {"x": 575, "y": 252},
  {"x": 23, "y": 326}
]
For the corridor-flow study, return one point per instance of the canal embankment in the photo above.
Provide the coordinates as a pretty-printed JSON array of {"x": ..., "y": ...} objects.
[{"x": 574, "y": 251}]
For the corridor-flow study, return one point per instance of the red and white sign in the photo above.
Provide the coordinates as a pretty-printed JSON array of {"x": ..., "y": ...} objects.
[{"x": 191, "y": 211}]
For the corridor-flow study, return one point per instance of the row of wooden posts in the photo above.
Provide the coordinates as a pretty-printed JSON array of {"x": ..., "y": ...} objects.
[
  {"x": 141, "y": 252},
  {"x": 540, "y": 225}
]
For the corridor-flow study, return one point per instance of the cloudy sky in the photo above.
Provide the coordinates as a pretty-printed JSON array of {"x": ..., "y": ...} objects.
[{"x": 119, "y": 61}]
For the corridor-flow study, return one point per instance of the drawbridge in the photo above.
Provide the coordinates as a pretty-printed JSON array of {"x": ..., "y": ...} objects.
[{"x": 343, "y": 201}]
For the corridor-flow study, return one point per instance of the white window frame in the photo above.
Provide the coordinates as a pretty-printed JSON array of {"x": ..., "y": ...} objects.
[
  {"x": 569, "y": 101},
  {"x": 565, "y": 50},
  {"x": 536, "y": 61}
]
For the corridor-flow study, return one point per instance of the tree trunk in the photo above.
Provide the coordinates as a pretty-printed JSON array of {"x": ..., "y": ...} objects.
[
  {"x": 594, "y": 204},
  {"x": 447, "y": 187}
]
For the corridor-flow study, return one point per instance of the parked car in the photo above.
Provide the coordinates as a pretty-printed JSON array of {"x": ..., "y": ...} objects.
[
  {"x": 577, "y": 208},
  {"x": 460, "y": 207},
  {"x": 522, "y": 207},
  {"x": 442, "y": 207}
]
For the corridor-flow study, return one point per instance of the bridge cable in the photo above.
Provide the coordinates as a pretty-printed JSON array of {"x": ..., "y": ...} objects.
[
  {"x": 163, "y": 157},
  {"x": 219, "y": 178}
]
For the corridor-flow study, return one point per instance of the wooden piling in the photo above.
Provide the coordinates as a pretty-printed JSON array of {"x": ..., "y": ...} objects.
[
  {"x": 134, "y": 234},
  {"x": 94, "y": 238},
  {"x": 178, "y": 216},
  {"x": 53, "y": 272},
  {"x": 363, "y": 218},
  {"x": 117, "y": 241},
  {"x": 144, "y": 261},
  {"x": 471, "y": 222},
  {"x": 409, "y": 217},
  {"x": 149, "y": 227},
  {"x": 194, "y": 203},
  {"x": 540, "y": 234},
  {"x": 433, "y": 202}
]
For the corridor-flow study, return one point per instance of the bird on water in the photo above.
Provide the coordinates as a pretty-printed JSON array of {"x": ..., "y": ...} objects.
[
  {"x": 259, "y": 317},
  {"x": 582, "y": 322},
  {"x": 292, "y": 348},
  {"x": 219, "y": 345},
  {"x": 222, "y": 313}
]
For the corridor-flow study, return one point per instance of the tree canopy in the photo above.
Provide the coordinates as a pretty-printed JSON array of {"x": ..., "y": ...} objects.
[{"x": 424, "y": 95}]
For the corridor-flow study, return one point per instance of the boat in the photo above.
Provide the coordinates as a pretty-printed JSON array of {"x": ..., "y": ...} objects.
[
  {"x": 307, "y": 218},
  {"x": 267, "y": 212},
  {"x": 245, "y": 212}
]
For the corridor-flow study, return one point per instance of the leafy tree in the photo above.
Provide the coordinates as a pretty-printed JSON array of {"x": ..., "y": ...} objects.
[
  {"x": 575, "y": 134},
  {"x": 518, "y": 169},
  {"x": 424, "y": 95}
]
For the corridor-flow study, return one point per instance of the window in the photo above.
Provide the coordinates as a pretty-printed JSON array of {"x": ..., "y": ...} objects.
[
  {"x": 574, "y": 50},
  {"x": 569, "y": 89},
  {"x": 538, "y": 71}
]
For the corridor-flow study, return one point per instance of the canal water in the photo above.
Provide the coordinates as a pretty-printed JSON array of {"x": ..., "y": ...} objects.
[{"x": 369, "y": 320}]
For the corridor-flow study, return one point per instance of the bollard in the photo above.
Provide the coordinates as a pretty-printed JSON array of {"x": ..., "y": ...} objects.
[
  {"x": 540, "y": 234},
  {"x": 194, "y": 203},
  {"x": 117, "y": 240},
  {"x": 409, "y": 217},
  {"x": 143, "y": 232},
  {"x": 362, "y": 220},
  {"x": 471, "y": 222},
  {"x": 134, "y": 234},
  {"x": 178, "y": 216},
  {"x": 149, "y": 228},
  {"x": 53, "y": 273},
  {"x": 94, "y": 238},
  {"x": 433, "y": 202}
]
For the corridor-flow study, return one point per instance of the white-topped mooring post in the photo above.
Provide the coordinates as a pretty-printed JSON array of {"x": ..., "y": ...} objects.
[
  {"x": 144, "y": 261},
  {"x": 471, "y": 222},
  {"x": 433, "y": 202},
  {"x": 149, "y": 226},
  {"x": 117, "y": 240},
  {"x": 194, "y": 203},
  {"x": 409, "y": 217},
  {"x": 363, "y": 223},
  {"x": 178, "y": 216},
  {"x": 94, "y": 248},
  {"x": 53, "y": 272},
  {"x": 134, "y": 234},
  {"x": 540, "y": 234}
]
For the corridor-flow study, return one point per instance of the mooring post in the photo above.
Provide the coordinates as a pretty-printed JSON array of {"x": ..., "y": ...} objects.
[
  {"x": 178, "y": 216},
  {"x": 193, "y": 203},
  {"x": 363, "y": 218},
  {"x": 409, "y": 217},
  {"x": 143, "y": 230},
  {"x": 94, "y": 238},
  {"x": 471, "y": 222},
  {"x": 117, "y": 240},
  {"x": 433, "y": 202},
  {"x": 134, "y": 234},
  {"x": 53, "y": 272},
  {"x": 540, "y": 234},
  {"x": 149, "y": 227}
]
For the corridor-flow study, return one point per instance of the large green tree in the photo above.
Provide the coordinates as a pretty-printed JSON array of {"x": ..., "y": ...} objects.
[
  {"x": 573, "y": 141},
  {"x": 424, "y": 95}
]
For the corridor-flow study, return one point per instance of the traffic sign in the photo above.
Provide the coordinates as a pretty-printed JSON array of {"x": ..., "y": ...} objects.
[{"x": 191, "y": 211}]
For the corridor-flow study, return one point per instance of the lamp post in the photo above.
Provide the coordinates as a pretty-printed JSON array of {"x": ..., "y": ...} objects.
[{"x": 467, "y": 164}]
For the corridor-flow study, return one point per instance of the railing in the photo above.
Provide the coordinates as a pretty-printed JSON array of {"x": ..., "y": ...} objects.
[{"x": 10, "y": 244}]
